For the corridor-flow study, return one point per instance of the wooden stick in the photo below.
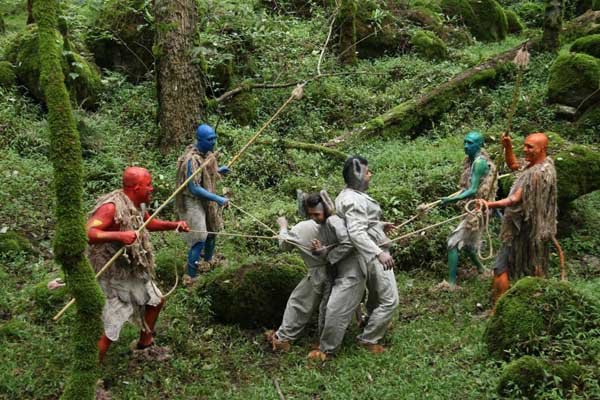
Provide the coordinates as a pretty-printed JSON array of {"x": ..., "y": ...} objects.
[
  {"x": 279, "y": 392},
  {"x": 110, "y": 262}
]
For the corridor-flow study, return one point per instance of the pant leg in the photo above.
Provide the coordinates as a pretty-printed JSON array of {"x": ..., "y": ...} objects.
[
  {"x": 346, "y": 295},
  {"x": 382, "y": 285},
  {"x": 302, "y": 302}
]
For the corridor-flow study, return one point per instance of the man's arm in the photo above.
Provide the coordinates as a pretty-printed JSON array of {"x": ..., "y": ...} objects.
[
  {"x": 509, "y": 155},
  {"x": 160, "y": 225},
  {"x": 98, "y": 224},
  {"x": 511, "y": 200},
  {"x": 201, "y": 192},
  {"x": 480, "y": 169}
]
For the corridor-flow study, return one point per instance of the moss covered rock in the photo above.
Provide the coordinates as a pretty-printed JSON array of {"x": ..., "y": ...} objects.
[
  {"x": 588, "y": 45},
  {"x": 121, "y": 38},
  {"x": 530, "y": 376},
  {"x": 12, "y": 242},
  {"x": 514, "y": 22},
  {"x": 530, "y": 12},
  {"x": 578, "y": 161},
  {"x": 485, "y": 19},
  {"x": 254, "y": 295},
  {"x": 47, "y": 301},
  {"x": 244, "y": 108},
  {"x": 7, "y": 74},
  {"x": 573, "y": 78},
  {"x": 538, "y": 315},
  {"x": 81, "y": 76},
  {"x": 428, "y": 45},
  {"x": 378, "y": 37}
]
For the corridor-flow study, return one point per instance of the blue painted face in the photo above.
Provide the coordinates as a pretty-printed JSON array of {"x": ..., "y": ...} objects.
[
  {"x": 472, "y": 144},
  {"x": 206, "y": 138}
]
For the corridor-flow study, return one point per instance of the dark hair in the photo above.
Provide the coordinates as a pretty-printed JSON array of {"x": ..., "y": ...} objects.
[
  {"x": 312, "y": 200},
  {"x": 349, "y": 164}
]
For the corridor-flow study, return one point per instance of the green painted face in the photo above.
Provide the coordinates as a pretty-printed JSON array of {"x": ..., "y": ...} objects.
[{"x": 473, "y": 143}]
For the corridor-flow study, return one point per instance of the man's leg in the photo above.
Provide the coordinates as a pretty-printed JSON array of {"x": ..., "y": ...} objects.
[
  {"x": 501, "y": 281},
  {"x": 194, "y": 258},
  {"x": 453, "y": 257},
  {"x": 150, "y": 316},
  {"x": 209, "y": 247},
  {"x": 103, "y": 345},
  {"x": 382, "y": 284},
  {"x": 346, "y": 295},
  {"x": 472, "y": 254},
  {"x": 300, "y": 306}
]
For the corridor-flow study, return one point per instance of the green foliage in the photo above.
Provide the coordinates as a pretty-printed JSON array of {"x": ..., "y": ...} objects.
[
  {"x": 573, "y": 78},
  {"x": 254, "y": 295},
  {"x": 13, "y": 330},
  {"x": 427, "y": 44},
  {"x": 244, "y": 109},
  {"x": 514, "y": 22},
  {"x": 81, "y": 77},
  {"x": 531, "y": 12},
  {"x": 588, "y": 45},
  {"x": 538, "y": 316},
  {"x": 12, "y": 242},
  {"x": 529, "y": 377},
  {"x": 48, "y": 302},
  {"x": 170, "y": 260},
  {"x": 485, "y": 19},
  {"x": 121, "y": 35},
  {"x": 7, "y": 75}
]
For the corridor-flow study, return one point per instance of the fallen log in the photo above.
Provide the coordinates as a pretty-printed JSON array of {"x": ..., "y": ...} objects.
[{"x": 408, "y": 117}]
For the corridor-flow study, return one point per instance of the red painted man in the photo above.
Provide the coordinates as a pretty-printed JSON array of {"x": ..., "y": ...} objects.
[
  {"x": 131, "y": 294},
  {"x": 529, "y": 221}
]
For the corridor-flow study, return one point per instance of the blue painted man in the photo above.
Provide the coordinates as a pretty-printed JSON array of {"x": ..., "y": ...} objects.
[
  {"x": 198, "y": 203},
  {"x": 478, "y": 181}
]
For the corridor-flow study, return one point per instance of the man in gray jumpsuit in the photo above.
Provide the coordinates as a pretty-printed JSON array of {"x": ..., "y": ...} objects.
[
  {"x": 328, "y": 234},
  {"x": 362, "y": 216}
]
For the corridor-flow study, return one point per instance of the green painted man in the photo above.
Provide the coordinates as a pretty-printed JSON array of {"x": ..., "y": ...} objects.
[{"x": 478, "y": 181}]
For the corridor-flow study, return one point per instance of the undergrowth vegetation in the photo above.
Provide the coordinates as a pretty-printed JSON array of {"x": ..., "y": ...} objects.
[{"x": 436, "y": 348}]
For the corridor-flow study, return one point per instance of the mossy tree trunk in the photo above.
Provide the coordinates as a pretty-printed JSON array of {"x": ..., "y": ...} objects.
[
  {"x": 30, "y": 19},
  {"x": 70, "y": 240},
  {"x": 552, "y": 25},
  {"x": 180, "y": 89},
  {"x": 347, "y": 21}
]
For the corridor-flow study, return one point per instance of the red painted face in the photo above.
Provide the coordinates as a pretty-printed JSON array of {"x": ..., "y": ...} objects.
[
  {"x": 534, "y": 148},
  {"x": 137, "y": 185}
]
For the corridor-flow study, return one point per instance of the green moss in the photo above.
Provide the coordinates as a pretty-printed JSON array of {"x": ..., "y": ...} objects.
[
  {"x": 244, "y": 108},
  {"x": 12, "y": 242},
  {"x": 254, "y": 295},
  {"x": 7, "y": 75},
  {"x": 578, "y": 161},
  {"x": 48, "y": 302},
  {"x": 538, "y": 315},
  {"x": 69, "y": 239},
  {"x": 12, "y": 330},
  {"x": 485, "y": 18},
  {"x": 122, "y": 39},
  {"x": 588, "y": 45},
  {"x": 530, "y": 12},
  {"x": 573, "y": 78},
  {"x": 376, "y": 39},
  {"x": 81, "y": 76},
  {"x": 529, "y": 376},
  {"x": 2, "y": 25},
  {"x": 514, "y": 22},
  {"x": 428, "y": 45}
]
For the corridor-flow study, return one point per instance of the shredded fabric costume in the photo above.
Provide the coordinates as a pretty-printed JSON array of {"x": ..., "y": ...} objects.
[
  {"x": 468, "y": 232},
  {"x": 201, "y": 215},
  {"x": 528, "y": 227},
  {"x": 128, "y": 284}
]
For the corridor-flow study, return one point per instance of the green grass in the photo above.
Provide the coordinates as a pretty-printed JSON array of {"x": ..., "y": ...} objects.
[{"x": 435, "y": 347}]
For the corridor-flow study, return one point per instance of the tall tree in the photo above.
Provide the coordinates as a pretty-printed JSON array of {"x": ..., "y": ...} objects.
[
  {"x": 347, "y": 20},
  {"x": 552, "y": 25},
  {"x": 179, "y": 79},
  {"x": 70, "y": 239}
]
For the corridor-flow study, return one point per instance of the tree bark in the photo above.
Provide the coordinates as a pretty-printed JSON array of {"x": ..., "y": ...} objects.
[
  {"x": 552, "y": 25},
  {"x": 70, "y": 239},
  {"x": 179, "y": 80},
  {"x": 347, "y": 21},
  {"x": 30, "y": 19}
]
